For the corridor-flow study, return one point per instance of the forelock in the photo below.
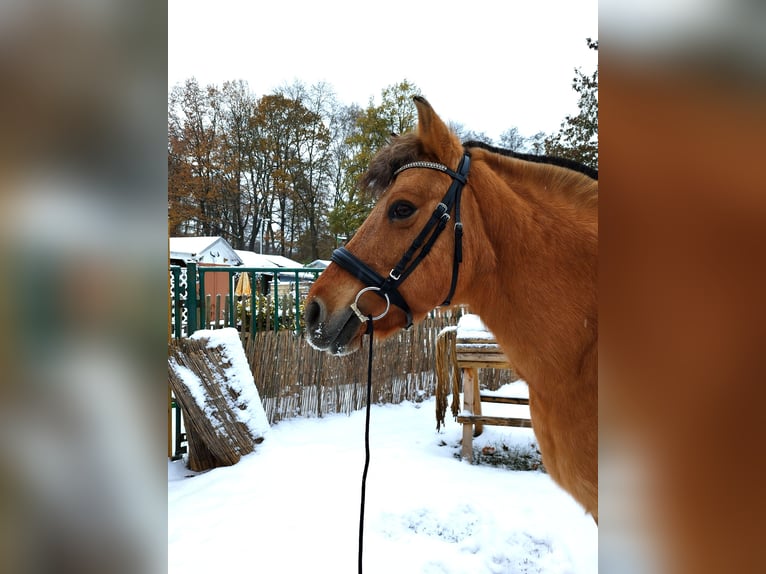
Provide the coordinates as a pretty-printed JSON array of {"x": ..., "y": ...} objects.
[{"x": 400, "y": 151}]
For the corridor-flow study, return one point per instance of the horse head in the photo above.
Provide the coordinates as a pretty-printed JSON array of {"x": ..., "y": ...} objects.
[{"x": 349, "y": 290}]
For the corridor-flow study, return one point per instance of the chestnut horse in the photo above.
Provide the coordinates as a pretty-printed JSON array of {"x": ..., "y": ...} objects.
[{"x": 522, "y": 253}]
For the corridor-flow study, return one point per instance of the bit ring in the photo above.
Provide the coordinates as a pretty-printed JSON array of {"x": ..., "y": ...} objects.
[{"x": 361, "y": 316}]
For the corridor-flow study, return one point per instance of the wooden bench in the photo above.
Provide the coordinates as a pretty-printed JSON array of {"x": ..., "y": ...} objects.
[{"x": 474, "y": 350}]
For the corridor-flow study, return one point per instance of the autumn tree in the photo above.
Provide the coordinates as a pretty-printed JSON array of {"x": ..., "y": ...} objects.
[
  {"x": 182, "y": 207},
  {"x": 343, "y": 147},
  {"x": 234, "y": 151},
  {"x": 311, "y": 170},
  {"x": 210, "y": 146},
  {"x": 273, "y": 119},
  {"x": 192, "y": 137}
]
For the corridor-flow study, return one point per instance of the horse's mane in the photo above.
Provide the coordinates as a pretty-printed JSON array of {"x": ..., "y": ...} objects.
[
  {"x": 550, "y": 160},
  {"x": 408, "y": 148}
]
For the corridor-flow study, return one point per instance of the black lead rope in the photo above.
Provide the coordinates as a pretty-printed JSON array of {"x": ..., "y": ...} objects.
[{"x": 366, "y": 444}]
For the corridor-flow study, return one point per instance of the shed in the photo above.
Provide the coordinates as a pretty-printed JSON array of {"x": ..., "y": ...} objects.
[
  {"x": 203, "y": 250},
  {"x": 252, "y": 259}
]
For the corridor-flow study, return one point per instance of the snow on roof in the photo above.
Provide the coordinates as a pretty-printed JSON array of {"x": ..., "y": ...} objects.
[
  {"x": 205, "y": 249},
  {"x": 281, "y": 261},
  {"x": 318, "y": 264},
  {"x": 252, "y": 259},
  {"x": 191, "y": 245}
]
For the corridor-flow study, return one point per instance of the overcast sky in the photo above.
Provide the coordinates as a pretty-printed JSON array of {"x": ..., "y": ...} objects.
[{"x": 486, "y": 64}]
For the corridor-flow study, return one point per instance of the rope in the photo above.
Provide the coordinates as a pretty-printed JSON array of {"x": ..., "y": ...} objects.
[{"x": 366, "y": 444}]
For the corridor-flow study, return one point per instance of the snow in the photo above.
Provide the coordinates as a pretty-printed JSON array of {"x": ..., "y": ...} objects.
[
  {"x": 471, "y": 327},
  {"x": 246, "y": 404},
  {"x": 252, "y": 259},
  {"x": 200, "y": 249},
  {"x": 517, "y": 388},
  {"x": 293, "y": 505},
  {"x": 192, "y": 245}
]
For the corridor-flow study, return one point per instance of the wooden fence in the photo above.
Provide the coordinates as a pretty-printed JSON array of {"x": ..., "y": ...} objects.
[{"x": 294, "y": 379}]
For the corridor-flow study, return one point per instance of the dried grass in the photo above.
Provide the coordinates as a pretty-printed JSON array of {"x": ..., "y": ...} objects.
[{"x": 216, "y": 434}]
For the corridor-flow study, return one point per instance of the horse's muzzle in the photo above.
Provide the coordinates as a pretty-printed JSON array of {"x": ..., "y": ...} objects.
[{"x": 338, "y": 333}]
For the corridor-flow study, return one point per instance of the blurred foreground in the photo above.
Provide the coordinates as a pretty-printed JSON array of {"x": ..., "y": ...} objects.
[
  {"x": 82, "y": 234},
  {"x": 683, "y": 323}
]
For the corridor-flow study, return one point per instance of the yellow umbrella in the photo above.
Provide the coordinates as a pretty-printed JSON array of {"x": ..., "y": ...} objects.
[{"x": 243, "y": 285}]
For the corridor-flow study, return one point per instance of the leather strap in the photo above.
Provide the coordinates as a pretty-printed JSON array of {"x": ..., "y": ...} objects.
[{"x": 429, "y": 234}]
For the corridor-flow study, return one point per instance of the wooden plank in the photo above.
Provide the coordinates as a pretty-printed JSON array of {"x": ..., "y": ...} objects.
[
  {"x": 504, "y": 400},
  {"x": 472, "y": 351},
  {"x": 470, "y": 378},
  {"x": 479, "y": 352},
  {"x": 483, "y": 365},
  {"x": 488, "y": 357},
  {"x": 468, "y": 420},
  {"x": 475, "y": 341}
]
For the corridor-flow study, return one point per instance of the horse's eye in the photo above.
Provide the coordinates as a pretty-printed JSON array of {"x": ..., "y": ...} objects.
[{"x": 401, "y": 210}]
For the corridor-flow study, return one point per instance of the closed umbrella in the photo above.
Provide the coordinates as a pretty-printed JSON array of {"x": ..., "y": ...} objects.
[{"x": 243, "y": 285}]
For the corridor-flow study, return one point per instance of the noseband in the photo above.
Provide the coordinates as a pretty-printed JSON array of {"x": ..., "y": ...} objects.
[{"x": 387, "y": 287}]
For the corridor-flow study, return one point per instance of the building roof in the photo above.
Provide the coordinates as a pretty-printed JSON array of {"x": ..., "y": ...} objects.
[
  {"x": 282, "y": 261},
  {"x": 318, "y": 264},
  {"x": 203, "y": 250},
  {"x": 252, "y": 259}
]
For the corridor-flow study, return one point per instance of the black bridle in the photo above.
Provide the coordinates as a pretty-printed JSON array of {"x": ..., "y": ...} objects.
[{"x": 387, "y": 287}]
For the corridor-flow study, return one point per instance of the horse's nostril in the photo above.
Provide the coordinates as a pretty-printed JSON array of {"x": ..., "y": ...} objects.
[{"x": 313, "y": 312}]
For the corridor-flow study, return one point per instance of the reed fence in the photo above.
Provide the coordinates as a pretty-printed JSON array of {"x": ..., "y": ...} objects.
[{"x": 295, "y": 380}]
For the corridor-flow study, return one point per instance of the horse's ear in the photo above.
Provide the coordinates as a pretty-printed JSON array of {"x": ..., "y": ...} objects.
[{"x": 436, "y": 137}]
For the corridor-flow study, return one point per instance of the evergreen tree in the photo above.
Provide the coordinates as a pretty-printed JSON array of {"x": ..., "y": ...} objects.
[{"x": 578, "y": 137}]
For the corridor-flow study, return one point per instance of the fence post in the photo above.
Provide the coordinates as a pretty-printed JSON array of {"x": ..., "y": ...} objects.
[
  {"x": 204, "y": 301},
  {"x": 253, "y": 311},
  {"x": 277, "y": 324},
  {"x": 230, "y": 302},
  {"x": 191, "y": 297},
  {"x": 297, "y": 304}
]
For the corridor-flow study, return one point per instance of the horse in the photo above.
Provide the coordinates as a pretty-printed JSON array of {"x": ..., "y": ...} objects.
[{"x": 522, "y": 254}]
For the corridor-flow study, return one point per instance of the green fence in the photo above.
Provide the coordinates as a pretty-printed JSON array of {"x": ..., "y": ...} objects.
[{"x": 271, "y": 298}]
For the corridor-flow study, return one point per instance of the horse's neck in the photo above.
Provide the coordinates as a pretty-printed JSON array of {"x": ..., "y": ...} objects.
[{"x": 535, "y": 288}]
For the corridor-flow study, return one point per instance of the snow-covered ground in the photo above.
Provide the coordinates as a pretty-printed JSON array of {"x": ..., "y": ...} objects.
[{"x": 292, "y": 506}]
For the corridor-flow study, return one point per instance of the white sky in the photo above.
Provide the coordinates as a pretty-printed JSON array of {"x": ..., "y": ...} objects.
[{"x": 487, "y": 64}]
